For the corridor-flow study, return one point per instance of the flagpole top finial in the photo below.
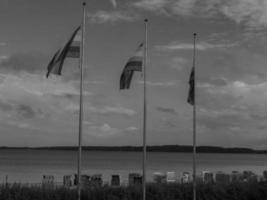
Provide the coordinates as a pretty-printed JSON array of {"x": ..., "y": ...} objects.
[
  {"x": 146, "y": 20},
  {"x": 84, "y": 4}
]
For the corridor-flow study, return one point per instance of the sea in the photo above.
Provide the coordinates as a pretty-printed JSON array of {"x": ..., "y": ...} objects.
[{"x": 29, "y": 166}]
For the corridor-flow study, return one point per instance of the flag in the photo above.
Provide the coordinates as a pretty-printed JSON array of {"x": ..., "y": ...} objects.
[
  {"x": 74, "y": 49},
  {"x": 135, "y": 63},
  {"x": 191, "y": 93},
  {"x": 71, "y": 49}
]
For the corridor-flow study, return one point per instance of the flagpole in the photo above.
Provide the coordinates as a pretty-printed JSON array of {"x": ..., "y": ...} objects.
[
  {"x": 81, "y": 104},
  {"x": 144, "y": 117},
  {"x": 194, "y": 121}
]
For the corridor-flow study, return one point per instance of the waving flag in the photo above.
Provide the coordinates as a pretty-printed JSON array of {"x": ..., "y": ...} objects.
[
  {"x": 71, "y": 49},
  {"x": 133, "y": 64},
  {"x": 191, "y": 93},
  {"x": 74, "y": 49}
]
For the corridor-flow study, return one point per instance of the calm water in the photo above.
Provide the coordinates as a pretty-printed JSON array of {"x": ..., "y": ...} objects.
[{"x": 30, "y": 165}]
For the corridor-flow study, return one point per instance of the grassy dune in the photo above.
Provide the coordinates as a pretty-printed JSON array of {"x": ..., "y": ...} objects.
[{"x": 234, "y": 191}]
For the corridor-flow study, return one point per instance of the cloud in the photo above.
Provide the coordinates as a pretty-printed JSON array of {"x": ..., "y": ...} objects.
[
  {"x": 131, "y": 128},
  {"x": 213, "y": 81},
  {"x": 235, "y": 98},
  {"x": 189, "y": 46},
  {"x": 166, "y": 110},
  {"x": 152, "y": 5},
  {"x": 3, "y": 57},
  {"x": 5, "y": 107},
  {"x": 111, "y": 17},
  {"x": 191, "y": 8},
  {"x": 25, "y": 111},
  {"x": 30, "y": 62},
  {"x": 218, "y": 81},
  {"x": 32, "y": 96},
  {"x": 178, "y": 63},
  {"x": 244, "y": 119},
  {"x": 176, "y": 7},
  {"x": 22, "y": 125},
  {"x": 106, "y": 128},
  {"x": 35, "y": 63},
  {"x": 37, "y": 85},
  {"x": 113, "y": 110},
  {"x": 251, "y": 13},
  {"x": 161, "y": 84},
  {"x": 15, "y": 110},
  {"x": 114, "y": 3},
  {"x": 235, "y": 64},
  {"x": 222, "y": 121},
  {"x": 103, "y": 130},
  {"x": 169, "y": 123},
  {"x": 239, "y": 88}
]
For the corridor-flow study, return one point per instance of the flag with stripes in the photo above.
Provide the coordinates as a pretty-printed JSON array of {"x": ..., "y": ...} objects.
[
  {"x": 134, "y": 63},
  {"x": 71, "y": 49},
  {"x": 74, "y": 49},
  {"x": 191, "y": 93}
]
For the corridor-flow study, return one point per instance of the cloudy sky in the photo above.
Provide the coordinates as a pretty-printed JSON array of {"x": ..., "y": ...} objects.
[{"x": 231, "y": 72}]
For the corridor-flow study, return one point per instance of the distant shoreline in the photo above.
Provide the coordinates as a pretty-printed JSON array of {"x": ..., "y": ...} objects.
[{"x": 156, "y": 148}]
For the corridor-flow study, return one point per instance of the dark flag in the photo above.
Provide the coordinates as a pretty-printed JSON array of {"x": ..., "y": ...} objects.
[
  {"x": 135, "y": 63},
  {"x": 191, "y": 93},
  {"x": 71, "y": 49}
]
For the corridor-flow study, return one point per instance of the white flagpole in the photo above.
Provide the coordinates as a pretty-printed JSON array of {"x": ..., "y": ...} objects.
[
  {"x": 144, "y": 117},
  {"x": 194, "y": 122},
  {"x": 81, "y": 104}
]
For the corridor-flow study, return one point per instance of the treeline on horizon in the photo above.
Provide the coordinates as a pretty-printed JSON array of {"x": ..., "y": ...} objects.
[{"x": 155, "y": 148}]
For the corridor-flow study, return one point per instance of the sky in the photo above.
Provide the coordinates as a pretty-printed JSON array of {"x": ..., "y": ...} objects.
[{"x": 231, "y": 97}]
